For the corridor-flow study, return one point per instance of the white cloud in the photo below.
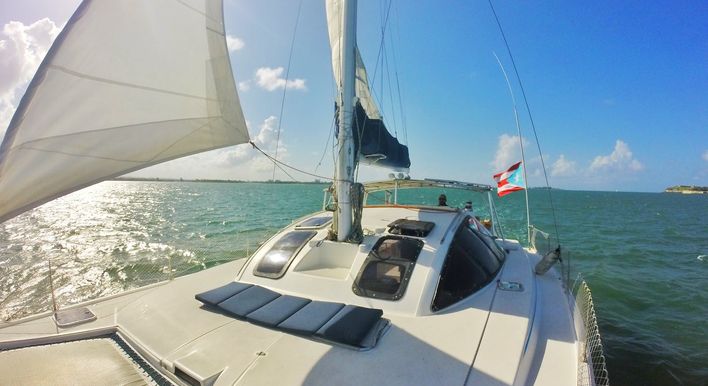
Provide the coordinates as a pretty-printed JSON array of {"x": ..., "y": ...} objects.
[
  {"x": 266, "y": 139},
  {"x": 508, "y": 152},
  {"x": 234, "y": 43},
  {"x": 240, "y": 162},
  {"x": 271, "y": 79},
  {"x": 246, "y": 158},
  {"x": 705, "y": 155},
  {"x": 621, "y": 159},
  {"x": 244, "y": 86},
  {"x": 22, "y": 48},
  {"x": 563, "y": 167}
]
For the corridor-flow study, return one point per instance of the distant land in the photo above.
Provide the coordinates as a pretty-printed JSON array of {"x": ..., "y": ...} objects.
[
  {"x": 684, "y": 189},
  {"x": 156, "y": 179},
  {"x": 687, "y": 189}
]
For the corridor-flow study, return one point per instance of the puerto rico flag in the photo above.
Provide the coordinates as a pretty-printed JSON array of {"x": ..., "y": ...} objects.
[{"x": 510, "y": 180}]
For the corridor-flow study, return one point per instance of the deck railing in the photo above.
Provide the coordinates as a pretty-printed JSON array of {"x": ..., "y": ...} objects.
[{"x": 592, "y": 369}]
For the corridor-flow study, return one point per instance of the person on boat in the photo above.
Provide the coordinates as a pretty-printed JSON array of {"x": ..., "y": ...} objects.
[
  {"x": 468, "y": 206},
  {"x": 442, "y": 200}
]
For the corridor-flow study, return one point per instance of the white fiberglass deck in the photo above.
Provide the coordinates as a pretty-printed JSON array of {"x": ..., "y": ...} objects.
[{"x": 493, "y": 337}]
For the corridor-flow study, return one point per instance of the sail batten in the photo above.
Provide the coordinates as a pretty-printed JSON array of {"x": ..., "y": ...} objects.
[{"x": 126, "y": 85}]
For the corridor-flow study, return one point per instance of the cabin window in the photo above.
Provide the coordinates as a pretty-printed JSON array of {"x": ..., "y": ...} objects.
[
  {"x": 315, "y": 222},
  {"x": 487, "y": 238},
  {"x": 277, "y": 260},
  {"x": 470, "y": 264},
  {"x": 388, "y": 268}
]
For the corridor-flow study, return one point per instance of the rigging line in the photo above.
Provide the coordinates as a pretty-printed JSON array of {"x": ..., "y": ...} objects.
[
  {"x": 330, "y": 135},
  {"x": 275, "y": 164},
  {"x": 382, "y": 96},
  {"x": 381, "y": 44},
  {"x": 528, "y": 110},
  {"x": 390, "y": 94},
  {"x": 289, "y": 166},
  {"x": 285, "y": 86},
  {"x": 521, "y": 145},
  {"x": 404, "y": 127}
]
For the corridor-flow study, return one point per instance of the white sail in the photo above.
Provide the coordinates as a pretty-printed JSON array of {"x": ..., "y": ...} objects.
[
  {"x": 362, "y": 91},
  {"x": 127, "y": 84},
  {"x": 374, "y": 145}
]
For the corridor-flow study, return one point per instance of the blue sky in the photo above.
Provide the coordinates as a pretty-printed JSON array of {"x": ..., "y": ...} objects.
[{"x": 618, "y": 90}]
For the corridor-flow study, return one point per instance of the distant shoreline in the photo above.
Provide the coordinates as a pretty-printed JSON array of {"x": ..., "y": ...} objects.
[
  {"x": 684, "y": 189},
  {"x": 141, "y": 179}
]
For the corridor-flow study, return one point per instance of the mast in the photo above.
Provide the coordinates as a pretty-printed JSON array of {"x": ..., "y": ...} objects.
[{"x": 346, "y": 161}]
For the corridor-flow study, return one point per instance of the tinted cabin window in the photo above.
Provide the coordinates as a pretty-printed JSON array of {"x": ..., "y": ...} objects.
[
  {"x": 315, "y": 222},
  {"x": 277, "y": 260},
  {"x": 469, "y": 265},
  {"x": 387, "y": 268},
  {"x": 493, "y": 246},
  {"x": 486, "y": 237}
]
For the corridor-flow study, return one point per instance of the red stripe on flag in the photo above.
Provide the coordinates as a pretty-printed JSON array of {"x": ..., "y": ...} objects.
[
  {"x": 503, "y": 185},
  {"x": 511, "y": 169},
  {"x": 510, "y": 189}
]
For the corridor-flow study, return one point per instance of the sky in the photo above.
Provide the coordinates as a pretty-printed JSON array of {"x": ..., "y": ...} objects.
[{"x": 618, "y": 91}]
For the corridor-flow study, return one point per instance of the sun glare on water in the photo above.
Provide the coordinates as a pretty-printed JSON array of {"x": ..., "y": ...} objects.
[{"x": 98, "y": 241}]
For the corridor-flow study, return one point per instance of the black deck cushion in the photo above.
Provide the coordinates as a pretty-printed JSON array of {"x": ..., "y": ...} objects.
[
  {"x": 353, "y": 326},
  {"x": 248, "y": 301},
  {"x": 350, "y": 326},
  {"x": 278, "y": 310},
  {"x": 310, "y": 318},
  {"x": 218, "y": 295}
]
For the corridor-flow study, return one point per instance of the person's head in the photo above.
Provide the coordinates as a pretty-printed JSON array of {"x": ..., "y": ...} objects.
[{"x": 442, "y": 200}]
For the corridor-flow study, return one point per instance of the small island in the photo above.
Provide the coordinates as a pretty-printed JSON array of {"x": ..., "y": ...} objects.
[{"x": 686, "y": 189}]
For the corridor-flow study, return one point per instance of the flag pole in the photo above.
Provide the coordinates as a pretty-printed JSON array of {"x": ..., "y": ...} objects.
[{"x": 521, "y": 145}]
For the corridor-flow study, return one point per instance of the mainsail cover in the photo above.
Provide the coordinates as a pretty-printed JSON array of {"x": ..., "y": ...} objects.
[
  {"x": 127, "y": 84},
  {"x": 376, "y": 146}
]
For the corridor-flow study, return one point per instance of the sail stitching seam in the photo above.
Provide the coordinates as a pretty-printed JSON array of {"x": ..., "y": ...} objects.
[
  {"x": 24, "y": 144},
  {"x": 198, "y": 11},
  {"x": 84, "y": 155},
  {"x": 118, "y": 83},
  {"x": 208, "y": 122},
  {"x": 215, "y": 31},
  {"x": 153, "y": 158}
]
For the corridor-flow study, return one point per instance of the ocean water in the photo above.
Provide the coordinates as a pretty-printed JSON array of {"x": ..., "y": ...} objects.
[{"x": 643, "y": 254}]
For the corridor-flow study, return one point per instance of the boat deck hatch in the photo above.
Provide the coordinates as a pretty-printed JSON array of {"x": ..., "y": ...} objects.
[
  {"x": 73, "y": 316},
  {"x": 414, "y": 228},
  {"x": 388, "y": 268},
  {"x": 348, "y": 325}
]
